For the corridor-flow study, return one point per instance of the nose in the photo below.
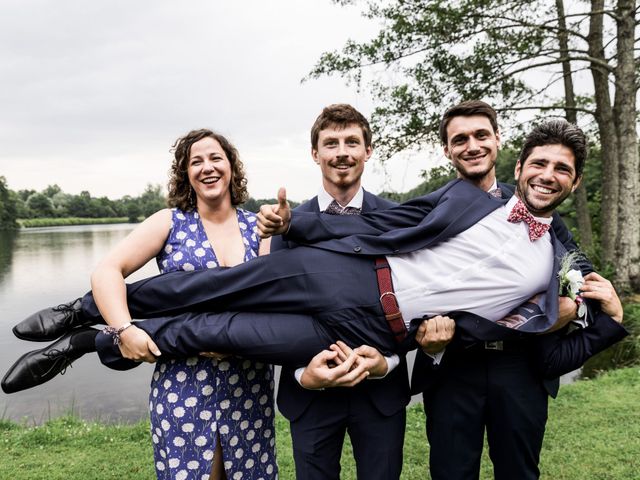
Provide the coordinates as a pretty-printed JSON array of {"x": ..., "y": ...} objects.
[
  {"x": 342, "y": 150},
  {"x": 473, "y": 144},
  {"x": 547, "y": 173},
  {"x": 207, "y": 166}
]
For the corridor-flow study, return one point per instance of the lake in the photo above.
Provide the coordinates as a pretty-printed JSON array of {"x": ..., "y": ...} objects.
[{"x": 42, "y": 267}]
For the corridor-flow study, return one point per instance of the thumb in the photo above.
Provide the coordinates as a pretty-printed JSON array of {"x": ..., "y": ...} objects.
[
  {"x": 282, "y": 198},
  {"x": 153, "y": 348}
]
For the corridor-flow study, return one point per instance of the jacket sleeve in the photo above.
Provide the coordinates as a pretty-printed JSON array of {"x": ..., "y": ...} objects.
[
  {"x": 307, "y": 227},
  {"x": 561, "y": 352}
]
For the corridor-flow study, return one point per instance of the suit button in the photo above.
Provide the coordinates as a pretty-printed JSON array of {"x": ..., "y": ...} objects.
[
  {"x": 396, "y": 251},
  {"x": 357, "y": 248}
]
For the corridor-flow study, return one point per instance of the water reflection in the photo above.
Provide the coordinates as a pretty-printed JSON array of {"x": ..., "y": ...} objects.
[
  {"x": 47, "y": 266},
  {"x": 7, "y": 240}
]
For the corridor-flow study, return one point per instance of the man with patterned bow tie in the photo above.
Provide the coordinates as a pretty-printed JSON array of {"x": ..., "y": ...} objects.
[
  {"x": 371, "y": 279},
  {"x": 502, "y": 387}
]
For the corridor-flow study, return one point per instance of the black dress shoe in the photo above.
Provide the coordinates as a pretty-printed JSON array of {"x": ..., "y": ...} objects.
[
  {"x": 39, "y": 366},
  {"x": 50, "y": 323}
]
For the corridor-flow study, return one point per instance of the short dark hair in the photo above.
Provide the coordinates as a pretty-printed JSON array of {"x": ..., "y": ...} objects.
[
  {"x": 557, "y": 132},
  {"x": 340, "y": 115},
  {"x": 467, "y": 109},
  {"x": 180, "y": 191}
]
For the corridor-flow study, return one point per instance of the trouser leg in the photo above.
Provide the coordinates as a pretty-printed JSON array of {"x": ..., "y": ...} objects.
[
  {"x": 317, "y": 438},
  {"x": 272, "y": 338},
  {"x": 379, "y": 437},
  {"x": 455, "y": 407},
  {"x": 300, "y": 280},
  {"x": 517, "y": 416}
]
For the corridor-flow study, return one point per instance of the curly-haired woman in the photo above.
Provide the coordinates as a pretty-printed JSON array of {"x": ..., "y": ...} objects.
[{"x": 208, "y": 416}]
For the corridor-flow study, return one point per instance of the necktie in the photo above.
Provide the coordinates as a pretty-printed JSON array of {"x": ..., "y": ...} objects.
[
  {"x": 521, "y": 214},
  {"x": 334, "y": 208},
  {"x": 496, "y": 192}
]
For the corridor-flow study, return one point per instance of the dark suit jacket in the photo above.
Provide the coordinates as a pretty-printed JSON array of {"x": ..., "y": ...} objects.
[
  {"x": 421, "y": 223},
  {"x": 552, "y": 354},
  {"x": 429, "y": 220},
  {"x": 388, "y": 395}
]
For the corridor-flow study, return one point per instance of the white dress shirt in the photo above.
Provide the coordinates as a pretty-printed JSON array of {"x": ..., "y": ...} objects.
[{"x": 489, "y": 269}]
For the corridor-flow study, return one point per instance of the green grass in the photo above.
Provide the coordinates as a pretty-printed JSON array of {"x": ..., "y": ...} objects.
[
  {"x": 61, "y": 222},
  {"x": 593, "y": 433}
]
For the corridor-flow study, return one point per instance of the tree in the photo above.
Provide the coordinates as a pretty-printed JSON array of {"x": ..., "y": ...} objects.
[
  {"x": 514, "y": 54},
  {"x": 8, "y": 206},
  {"x": 40, "y": 205},
  {"x": 152, "y": 200}
]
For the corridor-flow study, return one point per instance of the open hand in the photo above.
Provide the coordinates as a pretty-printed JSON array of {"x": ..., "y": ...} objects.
[{"x": 274, "y": 219}]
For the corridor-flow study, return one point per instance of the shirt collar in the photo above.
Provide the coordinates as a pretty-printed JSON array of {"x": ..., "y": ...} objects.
[{"x": 324, "y": 199}]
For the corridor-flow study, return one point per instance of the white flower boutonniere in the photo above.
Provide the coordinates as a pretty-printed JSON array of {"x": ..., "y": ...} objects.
[{"x": 571, "y": 280}]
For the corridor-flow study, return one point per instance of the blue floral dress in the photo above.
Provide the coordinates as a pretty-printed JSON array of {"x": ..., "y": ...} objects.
[{"x": 195, "y": 401}]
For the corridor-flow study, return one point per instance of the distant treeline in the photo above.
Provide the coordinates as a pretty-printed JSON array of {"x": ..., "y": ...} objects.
[{"x": 52, "y": 202}]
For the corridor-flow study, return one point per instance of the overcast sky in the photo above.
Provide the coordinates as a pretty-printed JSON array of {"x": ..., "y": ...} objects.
[{"x": 94, "y": 93}]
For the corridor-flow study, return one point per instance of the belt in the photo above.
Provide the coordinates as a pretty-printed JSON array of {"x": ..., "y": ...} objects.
[
  {"x": 388, "y": 300},
  {"x": 517, "y": 346}
]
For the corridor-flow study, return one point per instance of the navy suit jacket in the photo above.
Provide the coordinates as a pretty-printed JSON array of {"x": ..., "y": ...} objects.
[
  {"x": 433, "y": 218},
  {"x": 388, "y": 395}
]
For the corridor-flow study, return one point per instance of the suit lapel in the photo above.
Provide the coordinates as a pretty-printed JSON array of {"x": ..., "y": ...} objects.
[{"x": 368, "y": 202}]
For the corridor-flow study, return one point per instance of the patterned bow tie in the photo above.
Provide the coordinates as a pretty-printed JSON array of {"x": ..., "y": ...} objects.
[
  {"x": 496, "y": 192},
  {"x": 521, "y": 214},
  {"x": 334, "y": 208}
]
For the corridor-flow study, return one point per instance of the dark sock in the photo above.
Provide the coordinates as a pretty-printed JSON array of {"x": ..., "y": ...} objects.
[{"x": 84, "y": 340}]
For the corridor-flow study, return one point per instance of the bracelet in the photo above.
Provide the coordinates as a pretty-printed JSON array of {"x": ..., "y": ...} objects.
[{"x": 116, "y": 332}]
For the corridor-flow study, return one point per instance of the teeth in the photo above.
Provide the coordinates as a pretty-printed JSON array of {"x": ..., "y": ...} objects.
[
  {"x": 540, "y": 189},
  {"x": 208, "y": 181}
]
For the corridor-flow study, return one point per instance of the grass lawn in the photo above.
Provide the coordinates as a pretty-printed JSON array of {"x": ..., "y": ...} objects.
[{"x": 593, "y": 433}]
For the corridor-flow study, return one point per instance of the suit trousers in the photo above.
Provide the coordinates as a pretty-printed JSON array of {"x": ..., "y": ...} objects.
[
  {"x": 376, "y": 439},
  {"x": 479, "y": 388},
  {"x": 331, "y": 296}
]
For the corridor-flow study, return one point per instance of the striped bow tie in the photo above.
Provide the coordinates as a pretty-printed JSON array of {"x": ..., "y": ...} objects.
[{"x": 521, "y": 214}]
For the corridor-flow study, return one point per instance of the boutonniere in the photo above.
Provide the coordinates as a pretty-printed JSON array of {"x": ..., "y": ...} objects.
[{"x": 571, "y": 280}]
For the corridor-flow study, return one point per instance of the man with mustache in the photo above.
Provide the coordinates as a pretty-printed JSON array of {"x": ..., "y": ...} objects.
[{"x": 373, "y": 411}]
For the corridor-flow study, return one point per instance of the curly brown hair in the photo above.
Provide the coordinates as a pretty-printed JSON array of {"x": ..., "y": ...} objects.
[{"x": 181, "y": 193}]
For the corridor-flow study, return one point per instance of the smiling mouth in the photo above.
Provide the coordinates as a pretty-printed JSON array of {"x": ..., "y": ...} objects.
[
  {"x": 210, "y": 180},
  {"x": 543, "y": 190},
  {"x": 475, "y": 158},
  {"x": 342, "y": 166}
]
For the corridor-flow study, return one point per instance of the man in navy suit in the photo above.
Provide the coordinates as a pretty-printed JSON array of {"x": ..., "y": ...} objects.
[
  {"x": 502, "y": 388},
  {"x": 373, "y": 411}
]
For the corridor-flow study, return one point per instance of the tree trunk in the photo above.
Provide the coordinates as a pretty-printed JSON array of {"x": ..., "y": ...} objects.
[
  {"x": 582, "y": 206},
  {"x": 628, "y": 240},
  {"x": 608, "y": 138}
]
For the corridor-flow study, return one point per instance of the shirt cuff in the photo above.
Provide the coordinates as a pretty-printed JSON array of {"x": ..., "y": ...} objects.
[
  {"x": 298, "y": 374},
  {"x": 436, "y": 357},
  {"x": 392, "y": 362}
]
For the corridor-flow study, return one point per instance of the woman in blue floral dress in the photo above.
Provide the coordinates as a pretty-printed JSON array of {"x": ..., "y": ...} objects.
[{"x": 211, "y": 418}]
